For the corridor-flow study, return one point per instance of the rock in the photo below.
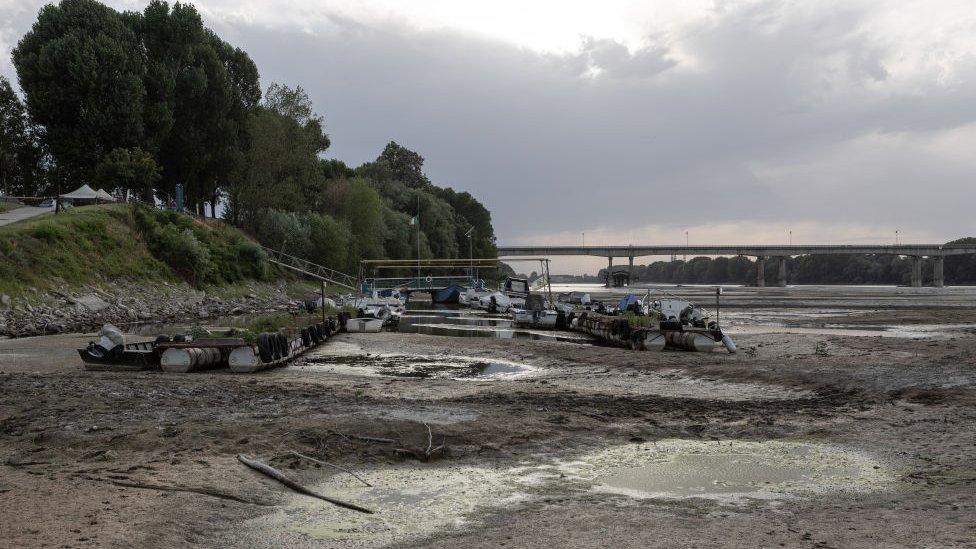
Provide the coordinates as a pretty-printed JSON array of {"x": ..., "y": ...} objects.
[
  {"x": 4, "y": 301},
  {"x": 92, "y": 302}
]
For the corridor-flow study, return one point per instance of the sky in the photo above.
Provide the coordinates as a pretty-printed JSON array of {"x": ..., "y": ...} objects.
[{"x": 638, "y": 122}]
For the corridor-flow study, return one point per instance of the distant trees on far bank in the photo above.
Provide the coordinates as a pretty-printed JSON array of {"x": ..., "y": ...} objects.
[{"x": 806, "y": 269}]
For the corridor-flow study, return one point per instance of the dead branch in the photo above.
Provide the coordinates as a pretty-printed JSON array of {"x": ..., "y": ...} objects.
[
  {"x": 334, "y": 466},
  {"x": 269, "y": 471}
]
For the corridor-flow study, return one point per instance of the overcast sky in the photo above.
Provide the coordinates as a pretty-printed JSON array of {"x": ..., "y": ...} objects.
[{"x": 737, "y": 121}]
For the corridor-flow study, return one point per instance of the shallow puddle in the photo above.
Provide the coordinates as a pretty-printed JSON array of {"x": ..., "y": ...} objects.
[
  {"x": 412, "y": 501},
  {"x": 485, "y": 331},
  {"x": 418, "y": 366},
  {"x": 678, "y": 469}
]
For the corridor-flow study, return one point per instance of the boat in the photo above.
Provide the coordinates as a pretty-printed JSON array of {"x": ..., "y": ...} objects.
[
  {"x": 364, "y": 325},
  {"x": 472, "y": 297},
  {"x": 534, "y": 313},
  {"x": 450, "y": 294},
  {"x": 525, "y": 318},
  {"x": 128, "y": 357}
]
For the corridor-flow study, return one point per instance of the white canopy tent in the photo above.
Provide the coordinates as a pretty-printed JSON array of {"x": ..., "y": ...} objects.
[
  {"x": 85, "y": 193},
  {"x": 102, "y": 195}
]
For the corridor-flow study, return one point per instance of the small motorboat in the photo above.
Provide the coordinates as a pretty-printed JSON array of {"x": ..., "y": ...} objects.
[
  {"x": 111, "y": 352},
  {"x": 364, "y": 325}
]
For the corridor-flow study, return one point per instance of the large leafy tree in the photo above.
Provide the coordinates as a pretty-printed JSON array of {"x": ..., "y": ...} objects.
[
  {"x": 81, "y": 69},
  {"x": 281, "y": 169},
  {"x": 199, "y": 94},
  {"x": 22, "y": 169}
]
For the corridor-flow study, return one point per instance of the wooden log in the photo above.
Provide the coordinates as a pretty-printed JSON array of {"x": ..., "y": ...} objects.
[{"x": 280, "y": 477}]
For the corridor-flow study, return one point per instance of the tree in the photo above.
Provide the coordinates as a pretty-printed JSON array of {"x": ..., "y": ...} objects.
[
  {"x": 398, "y": 163},
  {"x": 281, "y": 168},
  {"x": 363, "y": 210},
  {"x": 199, "y": 94},
  {"x": 81, "y": 68},
  {"x": 128, "y": 171},
  {"x": 22, "y": 154}
]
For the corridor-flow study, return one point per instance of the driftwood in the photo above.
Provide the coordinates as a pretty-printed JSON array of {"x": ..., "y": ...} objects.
[
  {"x": 326, "y": 463},
  {"x": 280, "y": 477}
]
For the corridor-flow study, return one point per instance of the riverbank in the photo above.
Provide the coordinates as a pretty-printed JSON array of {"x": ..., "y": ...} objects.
[
  {"x": 126, "y": 304},
  {"x": 800, "y": 439}
]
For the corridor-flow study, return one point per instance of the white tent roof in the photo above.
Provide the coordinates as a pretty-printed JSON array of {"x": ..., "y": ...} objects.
[
  {"x": 104, "y": 195},
  {"x": 83, "y": 192}
]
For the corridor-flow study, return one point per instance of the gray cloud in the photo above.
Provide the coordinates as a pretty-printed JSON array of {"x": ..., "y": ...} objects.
[{"x": 767, "y": 113}]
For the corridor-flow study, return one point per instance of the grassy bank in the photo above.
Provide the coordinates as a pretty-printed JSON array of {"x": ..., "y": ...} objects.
[{"x": 99, "y": 244}]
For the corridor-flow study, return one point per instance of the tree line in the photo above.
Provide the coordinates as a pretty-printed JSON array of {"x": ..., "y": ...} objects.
[
  {"x": 140, "y": 102},
  {"x": 805, "y": 269}
]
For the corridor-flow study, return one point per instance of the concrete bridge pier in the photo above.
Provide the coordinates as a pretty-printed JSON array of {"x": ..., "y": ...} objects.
[
  {"x": 939, "y": 277},
  {"x": 630, "y": 271},
  {"x": 609, "y": 270},
  {"x": 916, "y": 271},
  {"x": 782, "y": 272},
  {"x": 761, "y": 271}
]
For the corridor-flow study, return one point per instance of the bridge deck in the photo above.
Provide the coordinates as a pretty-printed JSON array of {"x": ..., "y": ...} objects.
[{"x": 754, "y": 250}]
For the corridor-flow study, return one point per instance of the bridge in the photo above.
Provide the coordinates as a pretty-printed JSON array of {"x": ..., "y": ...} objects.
[{"x": 761, "y": 252}]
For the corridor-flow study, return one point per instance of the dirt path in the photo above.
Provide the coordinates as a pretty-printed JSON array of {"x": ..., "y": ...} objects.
[{"x": 148, "y": 459}]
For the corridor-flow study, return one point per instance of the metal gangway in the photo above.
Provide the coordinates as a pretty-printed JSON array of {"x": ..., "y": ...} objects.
[
  {"x": 424, "y": 280},
  {"x": 313, "y": 270}
]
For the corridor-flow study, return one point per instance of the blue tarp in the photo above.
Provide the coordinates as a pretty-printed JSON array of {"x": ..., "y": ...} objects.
[{"x": 627, "y": 301}]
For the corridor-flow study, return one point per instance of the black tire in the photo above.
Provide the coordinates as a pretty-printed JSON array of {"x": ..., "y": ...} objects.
[
  {"x": 492, "y": 306},
  {"x": 283, "y": 345},
  {"x": 264, "y": 348}
]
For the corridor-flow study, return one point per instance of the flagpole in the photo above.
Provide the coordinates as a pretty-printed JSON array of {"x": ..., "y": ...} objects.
[{"x": 418, "y": 239}]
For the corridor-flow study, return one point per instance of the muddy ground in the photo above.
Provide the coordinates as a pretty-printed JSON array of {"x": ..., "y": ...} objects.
[{"x": 149, "y": 459}]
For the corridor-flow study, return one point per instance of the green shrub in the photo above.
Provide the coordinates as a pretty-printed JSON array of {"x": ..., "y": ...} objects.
[{"x": 49, "y": 232}]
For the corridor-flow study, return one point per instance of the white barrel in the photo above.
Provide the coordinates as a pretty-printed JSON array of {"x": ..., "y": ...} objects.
[
  {"x": 244, "y": 359},
  {"x": 692, "y": 341},
  {"x": 653, "y": 341},
  {"x": 188, "y": 359},
  {"x": 729, "y": 344}
]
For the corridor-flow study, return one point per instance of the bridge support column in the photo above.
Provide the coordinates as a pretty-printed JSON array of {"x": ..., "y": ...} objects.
[
  {"x": 782, "y": 272},
  {"x": 939, "y": 277},
  {"x": 916, "y": 271},
  {"x": 609, "y": 271},
  {"x": 630, "y": 272},
  {"x": 760, "y": 271}
]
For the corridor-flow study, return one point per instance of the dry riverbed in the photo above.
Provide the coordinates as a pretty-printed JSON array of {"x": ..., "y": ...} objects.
[{"x": 807, "y": 439}]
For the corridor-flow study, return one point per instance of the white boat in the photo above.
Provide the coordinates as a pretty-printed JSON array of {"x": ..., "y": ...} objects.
[
  {"x": 370, "y": 325},
  {"x": 472, "y": 297},
  {"x": 525, "y": 318}
]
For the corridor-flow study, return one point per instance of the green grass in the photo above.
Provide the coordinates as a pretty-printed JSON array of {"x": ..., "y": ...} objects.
[
  {"x": 7, "y": 206},
  {"x": 94, "y": 244}
]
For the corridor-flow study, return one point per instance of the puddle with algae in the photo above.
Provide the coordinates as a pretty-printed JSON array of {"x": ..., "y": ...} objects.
[
  {"x": 418, "y": 366},
  {"x": 412, "y": 501},
  {"x": 676, "y": 383}
]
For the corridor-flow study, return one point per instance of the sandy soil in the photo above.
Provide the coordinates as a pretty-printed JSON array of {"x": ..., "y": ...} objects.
[{"x": 149, "y": 459}]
